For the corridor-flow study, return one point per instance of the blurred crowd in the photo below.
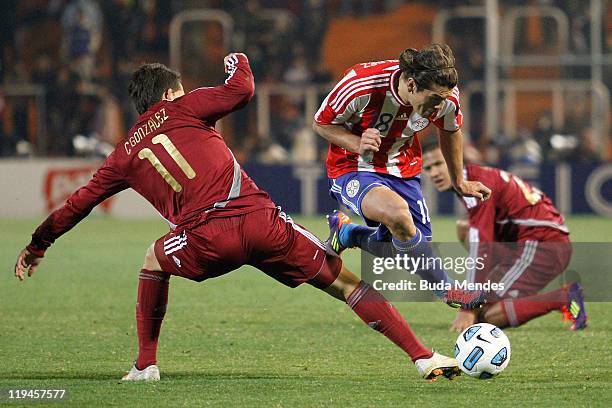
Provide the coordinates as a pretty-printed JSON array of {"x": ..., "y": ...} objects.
[{"x": 82, "y": 53}]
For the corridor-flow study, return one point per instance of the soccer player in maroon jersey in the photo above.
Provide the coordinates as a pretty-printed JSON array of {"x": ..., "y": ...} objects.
[
  {"x": 371, "y": 119},
  {"x": 521, "y": 214},
  {"x": 219, "y": 219}
]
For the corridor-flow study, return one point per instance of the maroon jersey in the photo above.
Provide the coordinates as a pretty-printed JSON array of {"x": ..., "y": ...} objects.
[
  {"x": 174, "y": 158},
  {"x": 524, "y": 216},
  {"x": 514, "y": 206}
]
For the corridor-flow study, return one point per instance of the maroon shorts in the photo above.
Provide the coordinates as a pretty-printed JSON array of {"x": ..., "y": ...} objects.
[
  {"x": 529, "y": 265},
  {"x": 267, "y": 239}
]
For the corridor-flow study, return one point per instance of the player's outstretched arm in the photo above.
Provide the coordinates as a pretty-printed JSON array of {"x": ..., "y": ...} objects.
[
  {"x": 451, "y": 144},
  {"x": 212, "y": 103},
  {"x": 107, "y": 181}
]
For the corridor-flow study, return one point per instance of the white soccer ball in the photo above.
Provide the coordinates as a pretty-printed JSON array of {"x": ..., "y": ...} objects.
[{"x": 482, "y": 351}]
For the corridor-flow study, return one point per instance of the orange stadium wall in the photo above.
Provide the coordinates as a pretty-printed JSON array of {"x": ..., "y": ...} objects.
[{"x": 351, "y": 40}]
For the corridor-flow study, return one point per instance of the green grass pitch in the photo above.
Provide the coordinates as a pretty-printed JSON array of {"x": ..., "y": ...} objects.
[{"x": 245, "y": 340}]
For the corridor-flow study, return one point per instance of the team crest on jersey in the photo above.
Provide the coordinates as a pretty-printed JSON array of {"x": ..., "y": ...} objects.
[
  {"x": 470, "y": 202},
  {"x": 352, "y": 188},
  {"x": 419, "y": 124}
]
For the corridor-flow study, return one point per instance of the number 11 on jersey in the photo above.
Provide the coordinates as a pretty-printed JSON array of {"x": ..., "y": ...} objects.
[{"x": 165, "y": 141}]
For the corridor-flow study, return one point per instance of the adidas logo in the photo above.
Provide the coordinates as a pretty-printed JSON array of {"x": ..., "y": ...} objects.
[
  {"x": 334, "y": 243},
  {"x": 574, "y": 308},
  {"x": 176, "y": 261},
  {"x": 403, "y": 116}
]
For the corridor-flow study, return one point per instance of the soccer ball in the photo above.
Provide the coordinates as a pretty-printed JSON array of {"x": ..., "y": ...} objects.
[{"x": 482, "y": 351}]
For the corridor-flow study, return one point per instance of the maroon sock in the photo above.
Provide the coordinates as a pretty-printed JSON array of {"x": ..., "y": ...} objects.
[
  {"x": 150, "y": 311},
  {"x": 382, "y": 316},
  {"x": 520, "y": 311}
]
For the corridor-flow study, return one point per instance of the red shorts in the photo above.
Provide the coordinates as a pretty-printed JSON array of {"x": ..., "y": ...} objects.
[
  {"x": 267, "y": 239},
  {"x": 541, "y": 255}
]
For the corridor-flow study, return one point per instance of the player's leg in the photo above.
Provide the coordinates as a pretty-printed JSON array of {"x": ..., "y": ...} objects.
[
  {"x": 536, "y": 264},
  {"x": 150, "y": 310},
  {"x": 516, "y": 312},
  {"x": 390, "y": 203},
  {"x": 379, "y": 205},
  {"x": 380, "y": 315},
  {"x": 292, "y": 255},
  {"x": 400, "y": 209},
  {"x": 192, "y": 254}
]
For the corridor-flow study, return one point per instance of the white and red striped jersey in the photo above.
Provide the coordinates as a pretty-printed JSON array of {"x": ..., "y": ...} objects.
[{"x": 366, "y": 97}]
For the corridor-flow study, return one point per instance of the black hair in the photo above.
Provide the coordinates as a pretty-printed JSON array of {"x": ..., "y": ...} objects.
[
  {"x": 148, "y": 84},
  {"x": 434, "y": 64},
  {"x": 429, "y": 144}
]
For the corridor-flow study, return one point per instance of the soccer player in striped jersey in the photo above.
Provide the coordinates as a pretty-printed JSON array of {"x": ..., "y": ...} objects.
[
  {"x": 371, "y": 119},
  {"x": 174, "y": 157},
  {"x": 520, "y": 214}
]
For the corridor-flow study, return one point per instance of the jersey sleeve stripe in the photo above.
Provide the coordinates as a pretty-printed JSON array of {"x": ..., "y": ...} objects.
[
  {"x": 355, "y": 83},
  {"x": 350, "y": 96},
  {"x": 454, "y": 101},
  {"x": 333, "y": 93},
  {"x": 347, "y": 78},
  {"x": 361, "y": 86}
]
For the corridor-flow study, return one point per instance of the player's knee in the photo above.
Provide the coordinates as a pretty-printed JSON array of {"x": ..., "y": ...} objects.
[
  {"x": 150, "y": 260},
  {"x": 344, "y": 285},
  {"x": 401, "y": 225},
  {"x": 493, "y": 314}
]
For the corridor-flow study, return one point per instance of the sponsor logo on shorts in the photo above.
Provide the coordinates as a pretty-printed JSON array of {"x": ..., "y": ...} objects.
[
  {"x": 419, "y": 124},
  {"x": 352, "y": 188}
]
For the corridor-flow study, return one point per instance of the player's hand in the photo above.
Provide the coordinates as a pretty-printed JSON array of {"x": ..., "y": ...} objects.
[
  {"x": 474, "y": 189},
  {"x": 26, "y": 261},
  {"x": 463, "y": 320},
  {"x": 370, "y": 142},
  {"x": 231, "y": 59}
]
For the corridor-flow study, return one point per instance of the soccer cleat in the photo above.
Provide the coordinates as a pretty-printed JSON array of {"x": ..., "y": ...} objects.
[
  {"x": 151, "y": 373},
  {"x": 335, "y": 221},
  {"x": 575, "y": 305},
  {"x": 436, "y": 365},
  {"x": 465, "y": 299}
]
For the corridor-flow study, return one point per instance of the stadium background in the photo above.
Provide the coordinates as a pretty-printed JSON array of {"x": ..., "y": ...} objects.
[{"x": 535, "y": 77}]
